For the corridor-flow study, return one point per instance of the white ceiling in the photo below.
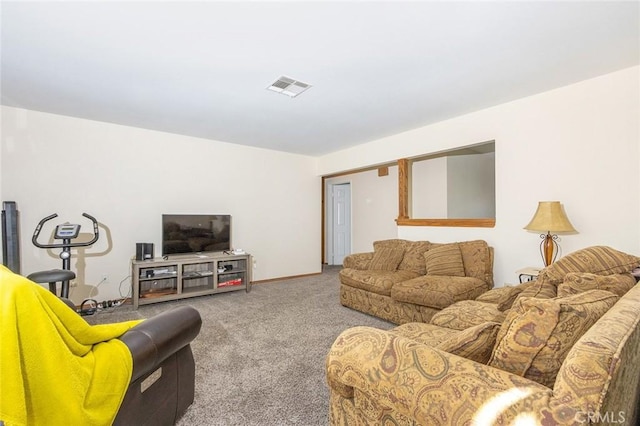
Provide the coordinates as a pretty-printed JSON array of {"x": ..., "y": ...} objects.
[{"x": 376, "y": 68}]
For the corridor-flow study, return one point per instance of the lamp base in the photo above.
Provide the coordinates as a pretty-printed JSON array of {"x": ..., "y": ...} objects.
[{"x": 548, "y": 248}]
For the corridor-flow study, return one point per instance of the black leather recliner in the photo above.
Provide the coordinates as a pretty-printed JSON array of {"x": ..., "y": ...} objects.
[
  {"x": 163, "y": 378},
  {"x": 162, "y": 381}
]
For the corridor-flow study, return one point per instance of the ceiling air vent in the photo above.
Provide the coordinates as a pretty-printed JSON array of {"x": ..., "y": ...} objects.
[{"x": 288, "y": 86}]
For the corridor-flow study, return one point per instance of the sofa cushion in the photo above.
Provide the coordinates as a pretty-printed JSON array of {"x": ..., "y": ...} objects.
[
  {"x": 386, "y": 258},
  {"x": 537, "y": 334},
  {"x": 502, "y": 297},
  {"x": 467, "y": 313},
  {"x": 474, "y": 343},
  {"x": 444, "y": 260},
  {"x": 427, "y": 334},
  {"x": 600, "y": 260},
  {"x": 541, "y": 288},
  {"x": 379, "y": 282},
  {"x": 575, "y": 283},
  {"x": 413, "y": 259},
  {"x": 436, "y": 291},
  {"x": 477, "y": 257}
]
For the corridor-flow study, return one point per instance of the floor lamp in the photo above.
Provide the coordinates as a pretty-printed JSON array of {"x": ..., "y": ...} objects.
[{"x": 550, "y": 218}]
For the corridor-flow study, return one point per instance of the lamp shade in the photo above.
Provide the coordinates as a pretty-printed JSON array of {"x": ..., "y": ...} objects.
[{"x": 550, "y": 217}]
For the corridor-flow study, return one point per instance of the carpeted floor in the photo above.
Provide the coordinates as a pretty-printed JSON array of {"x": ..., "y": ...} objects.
[{"x": 260, "y": 355}]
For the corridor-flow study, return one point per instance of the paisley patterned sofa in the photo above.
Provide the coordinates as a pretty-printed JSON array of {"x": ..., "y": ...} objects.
[
  {"x": 409, "y": 281},
  {"x": 566, "y": 352}
]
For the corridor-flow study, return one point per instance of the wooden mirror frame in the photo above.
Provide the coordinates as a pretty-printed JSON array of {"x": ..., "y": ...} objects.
[{"x": 404, "y": 174}]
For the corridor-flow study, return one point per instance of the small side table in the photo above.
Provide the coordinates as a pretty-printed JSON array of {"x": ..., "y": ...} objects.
[{"x": 528, "y": 274}]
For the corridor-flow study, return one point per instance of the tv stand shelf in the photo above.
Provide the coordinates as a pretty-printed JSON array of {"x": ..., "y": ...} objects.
[{"x": 160, "y": 280}]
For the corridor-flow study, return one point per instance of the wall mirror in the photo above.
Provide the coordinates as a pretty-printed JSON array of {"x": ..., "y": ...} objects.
[{"x": 451, "y": 188}]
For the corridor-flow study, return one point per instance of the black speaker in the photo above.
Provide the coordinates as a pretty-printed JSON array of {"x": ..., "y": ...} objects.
[
  {"x": 144, "y": 251},
  {"x": 10, "y": 236}
]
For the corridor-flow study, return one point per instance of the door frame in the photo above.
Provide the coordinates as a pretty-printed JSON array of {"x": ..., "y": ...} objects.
[
  {"x": 324, "y": 205},
  {"x": 326, "y": 227},
  {"x": 331, "y": 221}
]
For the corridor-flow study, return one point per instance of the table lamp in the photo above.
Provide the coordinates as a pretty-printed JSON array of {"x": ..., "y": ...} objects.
[{"x": 550, "y": 218}]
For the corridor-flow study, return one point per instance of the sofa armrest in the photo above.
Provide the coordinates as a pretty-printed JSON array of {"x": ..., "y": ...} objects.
[
  {"x": 423, "y": 383},
  {"x": 359, "y": 261},
  {"x": 155, "y": 339}
]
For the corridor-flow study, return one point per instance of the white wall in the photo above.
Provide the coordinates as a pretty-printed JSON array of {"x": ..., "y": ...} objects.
[
  {"x": 471, "y": 189},
  {"x": 578, "y": 144},
  {"x": 429, "y": 188},
  {"x": 374, "y": 206},
  {"x": 128, "y": 177}
]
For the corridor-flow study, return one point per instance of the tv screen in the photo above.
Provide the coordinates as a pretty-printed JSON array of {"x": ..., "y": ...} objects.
[{"x": 195, "y": 233}]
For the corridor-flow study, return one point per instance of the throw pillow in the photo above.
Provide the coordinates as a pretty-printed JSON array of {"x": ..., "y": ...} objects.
[
  {"x": 474, "y": 343},
  {"x": 392, "y": 243},
  {"x": 575, "y": 283},
  {"x": 386, "y": 259},
  {"x": 477, "y": 257},
  {"x": 600, "y": 260},
  {"x": 445, "y": 260},
  {"x": 537, "y": 334},
  {"x": 413, "y": 259}
]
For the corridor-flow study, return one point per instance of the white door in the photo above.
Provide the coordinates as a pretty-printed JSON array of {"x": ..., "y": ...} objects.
[{"x": 341, "y": 222}]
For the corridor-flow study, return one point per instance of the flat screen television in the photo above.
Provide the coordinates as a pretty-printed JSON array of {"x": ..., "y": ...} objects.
[{"x": 195, "y": 233}]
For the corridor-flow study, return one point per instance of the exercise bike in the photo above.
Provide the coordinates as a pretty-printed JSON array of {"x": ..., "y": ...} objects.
[{"x": 65, "y": 232}]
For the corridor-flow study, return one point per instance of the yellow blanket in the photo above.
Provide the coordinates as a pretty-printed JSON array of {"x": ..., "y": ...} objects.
[{"x": 55, "y": 368}]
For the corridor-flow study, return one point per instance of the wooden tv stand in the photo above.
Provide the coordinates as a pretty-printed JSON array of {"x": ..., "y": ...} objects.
[{"x": 159, "y": 280}]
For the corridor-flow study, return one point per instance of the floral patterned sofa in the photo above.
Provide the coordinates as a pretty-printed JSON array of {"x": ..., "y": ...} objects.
[
  {"x": 409, "y": 281},
  {"x": 566, "y": 352}
]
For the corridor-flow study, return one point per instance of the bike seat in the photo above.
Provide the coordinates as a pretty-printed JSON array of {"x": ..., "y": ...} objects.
[{"x": 51, "y": 276}]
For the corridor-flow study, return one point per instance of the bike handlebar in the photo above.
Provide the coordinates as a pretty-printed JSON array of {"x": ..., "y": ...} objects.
[{"x": 36, "y": 234}]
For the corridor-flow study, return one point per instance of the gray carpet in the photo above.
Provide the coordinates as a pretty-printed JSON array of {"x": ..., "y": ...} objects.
[{"x": 260, "y": 355}]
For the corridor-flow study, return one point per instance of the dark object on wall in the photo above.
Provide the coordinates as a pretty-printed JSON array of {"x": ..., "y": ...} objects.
[
  {"x": 10, "y": 236},
  {"x": 144, "y": 251}
]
